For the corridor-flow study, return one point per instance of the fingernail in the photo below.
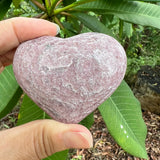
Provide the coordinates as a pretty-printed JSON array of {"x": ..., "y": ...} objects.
[
  {"x": 58, "y": 28},
  {"x": 77, "y": 140}
]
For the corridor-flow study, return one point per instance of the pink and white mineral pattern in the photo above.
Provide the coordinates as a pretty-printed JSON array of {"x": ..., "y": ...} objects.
[{"x": 69, "y": 78}]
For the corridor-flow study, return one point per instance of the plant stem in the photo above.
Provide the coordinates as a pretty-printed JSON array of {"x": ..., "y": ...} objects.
[
  {"x": 39, "y": 15},
  {"x": 120, "y": 28},
  {"x": 39, "y": 5},
  {"x": 58, "y": 22},
  {"x": 58, "y": 2},
  {"x": 44, "y": 16},
  {"x": 48, "y": 6},
  {"x": 77, "y": 3},
  {"x": 48, "y": 3},
  {"x": 53, "y": 5},
  {"x": 66, "y": 14}
]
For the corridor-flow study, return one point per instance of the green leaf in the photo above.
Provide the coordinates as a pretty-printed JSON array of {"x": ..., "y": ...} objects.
[
  {"x": 67, "y": 2},
  {"x": 29, "y": 111},
  {"x": 69, "y": 30},
  {"x": 75, "y": 25},
  {"x": 58, "y": 156},
  {"x": 72, "y": 5},
  {"x": 107, "y": 19},
  {"x": 121, "y": 25},
  {"x": 16, "y": 3},
  {"x": 88, "y": 121},
  {"x": 145, "y": 0},
  {"x": 4, "y": 6},
  {"x": 122, "y": 115},
  {"x": 93, "y": 23},
  {"x": 26, "y": 113},
  {"x": 136, "y": 12},
  {"x": 128, "y": 29},
  {"x": 10, "y": 91}
]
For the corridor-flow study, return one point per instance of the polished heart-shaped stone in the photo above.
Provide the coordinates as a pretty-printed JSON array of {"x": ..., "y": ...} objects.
[{"x": 69, "y": 78}]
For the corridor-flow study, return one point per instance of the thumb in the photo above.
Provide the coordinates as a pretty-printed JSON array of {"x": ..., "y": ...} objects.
[{"x": 39, "y": 139}]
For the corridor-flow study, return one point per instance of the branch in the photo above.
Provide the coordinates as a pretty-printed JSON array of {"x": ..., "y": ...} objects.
[
  {"x": 39, "y": 5},
  {"x": 44, "y": 16},
  {"x": 77, "y": 3},
  {"x": 59, "y": 23}
]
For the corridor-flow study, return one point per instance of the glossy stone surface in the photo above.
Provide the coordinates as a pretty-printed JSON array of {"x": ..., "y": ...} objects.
[{"x": 69, "y": 78}]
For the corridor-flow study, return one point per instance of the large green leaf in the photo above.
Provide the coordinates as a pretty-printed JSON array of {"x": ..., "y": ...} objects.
[
  {"x": 136, "y": 12},
  {"x": 88, "y": 121},
  {"x": 93, "y": 23},
  {"x": 29, "y": 111},
  {"x": 58, "y": 156},
  {"x": 4, "y": 6},
  {"x": 123, "y": 117},
  {"x": 10, "y": 91},
  {"x": 72, "y": 5}
]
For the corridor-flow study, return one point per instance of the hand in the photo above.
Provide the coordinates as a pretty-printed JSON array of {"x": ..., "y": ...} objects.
[
  {"x": 16, "y": 30},
  {"x": 38, "y": 139}
]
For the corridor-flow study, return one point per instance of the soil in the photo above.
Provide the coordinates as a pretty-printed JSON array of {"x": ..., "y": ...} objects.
[{"x": 105, "y": 148}]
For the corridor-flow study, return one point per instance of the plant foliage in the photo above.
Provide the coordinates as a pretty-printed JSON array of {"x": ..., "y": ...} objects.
[
  {"x": 123, "y": 117},
  {"x": 10, "y": 91},
  {"x": 4, "y": 6},
  {"x": 119, "y": 19}
]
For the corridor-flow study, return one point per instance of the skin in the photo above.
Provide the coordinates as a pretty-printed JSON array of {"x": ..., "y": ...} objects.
[{"x": 38, "y": 139}]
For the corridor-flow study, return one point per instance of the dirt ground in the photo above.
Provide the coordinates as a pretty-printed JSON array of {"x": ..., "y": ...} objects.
[{"x": 105, "y": 148}]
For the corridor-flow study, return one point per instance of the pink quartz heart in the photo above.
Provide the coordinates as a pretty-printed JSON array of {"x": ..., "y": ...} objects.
[{"x": 69, "y": 78}]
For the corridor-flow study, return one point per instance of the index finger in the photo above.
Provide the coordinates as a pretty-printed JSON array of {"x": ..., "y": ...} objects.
[{"x": 16, "y": 30}]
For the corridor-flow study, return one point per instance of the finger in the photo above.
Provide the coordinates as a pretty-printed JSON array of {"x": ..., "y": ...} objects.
[
  {"x": 39, "y": 139},
  {"x": 6, "y": 59},
  {"x": 16, "y": 30}
]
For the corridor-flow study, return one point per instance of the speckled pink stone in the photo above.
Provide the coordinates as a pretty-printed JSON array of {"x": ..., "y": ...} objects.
[{"x": 69, "y": 78}]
